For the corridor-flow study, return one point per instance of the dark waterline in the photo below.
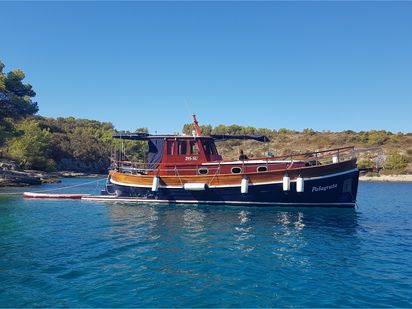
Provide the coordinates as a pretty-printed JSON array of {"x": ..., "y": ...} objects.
[{"x": 83, "y": 254}]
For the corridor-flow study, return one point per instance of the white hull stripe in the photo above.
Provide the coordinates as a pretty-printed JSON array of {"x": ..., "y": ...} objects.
[
  {"x": 151, "y": 201},
  {"x": 231, "y": 186}
]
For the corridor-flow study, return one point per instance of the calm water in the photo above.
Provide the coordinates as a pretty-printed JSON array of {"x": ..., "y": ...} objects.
[{"x": 85, "y": 254}]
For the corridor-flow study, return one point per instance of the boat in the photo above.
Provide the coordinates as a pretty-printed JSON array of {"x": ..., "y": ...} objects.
[
  {"x": 53, "y": 195},
  {"x": 189, "y": 169}
]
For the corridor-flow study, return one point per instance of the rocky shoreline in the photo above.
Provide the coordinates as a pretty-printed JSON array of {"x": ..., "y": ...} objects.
[
  {"x": 25, "y": 178},
  {"x": 386, "y": 178},
  {"x": 31, "y": 178},
  {"x": 12, "y": 176}
]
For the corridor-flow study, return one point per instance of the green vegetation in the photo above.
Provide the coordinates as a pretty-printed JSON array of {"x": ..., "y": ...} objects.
[
  {"x": 365, "y": 163},
  {"x": 15, "y": 101},
  {"x": 31, "y": 146},
  {"x": 37, "y": 142},
  {"x": 69, "y": 144},
  {"x": 396, "y": 162}
]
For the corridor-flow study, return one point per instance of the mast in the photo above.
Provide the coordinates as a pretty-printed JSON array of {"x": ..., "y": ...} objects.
[{"x": 198, "y": 132}]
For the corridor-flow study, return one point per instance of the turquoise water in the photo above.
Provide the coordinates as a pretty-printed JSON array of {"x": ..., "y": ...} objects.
[{"x": 84, "y": 254}]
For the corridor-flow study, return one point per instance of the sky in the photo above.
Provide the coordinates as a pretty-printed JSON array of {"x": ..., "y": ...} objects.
[{"x": 322, "y": 65}]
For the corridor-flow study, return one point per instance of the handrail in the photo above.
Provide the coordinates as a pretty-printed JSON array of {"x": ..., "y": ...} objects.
[
  {"x": 331, "y": 152},
  {"x": 309, "y": 153}
]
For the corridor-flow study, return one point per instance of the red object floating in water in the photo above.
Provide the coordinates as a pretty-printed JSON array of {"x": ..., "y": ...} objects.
[{"x": 51, "y": 195}]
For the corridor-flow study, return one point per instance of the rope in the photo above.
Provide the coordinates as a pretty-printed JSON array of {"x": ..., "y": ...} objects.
[
  {"x": 213, "y": 178},
  {"x": 178, "y": 176},
  {"x": 56, "y": 189},
  {"x": 290, "y": 166}
]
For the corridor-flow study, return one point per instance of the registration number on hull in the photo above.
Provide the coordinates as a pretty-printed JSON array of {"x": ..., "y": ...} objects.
[{"x": 191, "y": 158}]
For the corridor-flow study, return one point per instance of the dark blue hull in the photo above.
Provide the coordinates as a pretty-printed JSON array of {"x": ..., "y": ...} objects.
[{"x": 339, "y": 190}]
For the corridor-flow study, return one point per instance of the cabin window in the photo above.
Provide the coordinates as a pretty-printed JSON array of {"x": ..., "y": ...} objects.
[
  {"x": 170, "y": 147},
  {"x": 182, "y": 147},
  {"x": 262, "y": 168},
  {"x": 193, "y": 148},
  {"x": 236, "y": 170},
  {"x": 209, "y": 147},
  {"x": 203, "y": 171}
]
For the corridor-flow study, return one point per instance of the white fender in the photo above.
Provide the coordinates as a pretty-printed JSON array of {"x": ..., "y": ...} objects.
[
  {"x": 300, "y": 184},
  {"x": 155, "y": 184},
  {"x": 194, "y": 186},
  {"x": 244, "y": 186},
  {"x": 286, "y": 183}
]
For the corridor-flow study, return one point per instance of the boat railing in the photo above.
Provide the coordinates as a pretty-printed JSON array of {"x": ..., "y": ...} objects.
[{"x": 323, "y": 157}]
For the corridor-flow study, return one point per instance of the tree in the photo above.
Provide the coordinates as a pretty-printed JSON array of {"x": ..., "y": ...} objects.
[
  {"x": 15, "y": 101},
  {"x": 31, "y": 147},
  {"x": 15, "y": 96},
  {"x": 308, "y": 131},
  {"x": 396, "y": 162},
  {"x": 188, "y": 129},
  {"x": 85, "y": 146}
]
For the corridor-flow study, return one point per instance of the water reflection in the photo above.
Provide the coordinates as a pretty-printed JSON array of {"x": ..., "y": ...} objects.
[
  {"x": 288, "y": 236},
  {"x": 288, "y": 231},
  {"x": 297, "y": 233},
  {"x": 134, "y": 222},
  {"x": 244, "y": 232},
  {"x": 193, "y": 220},
  {"x": 243, "y": 216}
]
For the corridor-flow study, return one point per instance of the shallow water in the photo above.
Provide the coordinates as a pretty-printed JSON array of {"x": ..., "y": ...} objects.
[{"x": 85, "y": 254}]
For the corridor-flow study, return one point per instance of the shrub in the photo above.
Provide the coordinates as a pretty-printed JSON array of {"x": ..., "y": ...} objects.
[
  {"x": 31, "y": 149},
  {"x": 309, "y": 131},
  {"x": 396, "y": 161},
  {"x": 365, "y": 163}
]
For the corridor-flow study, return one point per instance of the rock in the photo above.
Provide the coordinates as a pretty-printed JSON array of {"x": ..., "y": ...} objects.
[
  {"x": 8, "y": 165},
  {"x": 18, "y": 179},
  {"x": 71, "y": 174},
  {"x": 45, "y": 177},
  {"x": 14, "y": 178}
]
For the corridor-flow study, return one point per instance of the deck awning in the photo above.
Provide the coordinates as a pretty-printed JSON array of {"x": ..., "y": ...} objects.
[
  {"x": 140, "y": 136},
  {"x": 224, "y": 137}
]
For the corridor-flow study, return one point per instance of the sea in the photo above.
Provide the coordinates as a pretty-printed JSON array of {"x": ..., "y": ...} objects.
[{"x": 72, "y": 253}]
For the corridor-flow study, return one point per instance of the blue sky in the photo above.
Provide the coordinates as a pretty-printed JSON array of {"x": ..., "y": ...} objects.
[{"x": 322, "y": 65}]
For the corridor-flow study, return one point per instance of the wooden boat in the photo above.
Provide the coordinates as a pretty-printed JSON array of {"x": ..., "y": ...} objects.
[{"x": 189, "y": 169}]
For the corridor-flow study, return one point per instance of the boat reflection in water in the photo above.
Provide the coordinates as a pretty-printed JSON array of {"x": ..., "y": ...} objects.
[
  {"x": 232, "y": 246},
  {"x": 235, "y": 229}
]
